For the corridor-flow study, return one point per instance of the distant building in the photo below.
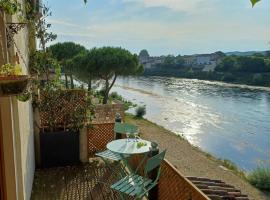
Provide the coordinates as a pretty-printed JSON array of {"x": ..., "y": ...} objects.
[
  {"x": 149, "y": 61},
  {"x": 205, "y": 62}
]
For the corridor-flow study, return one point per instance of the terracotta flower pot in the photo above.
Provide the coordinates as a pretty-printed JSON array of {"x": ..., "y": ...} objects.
[{"x": 13, "y": 85}]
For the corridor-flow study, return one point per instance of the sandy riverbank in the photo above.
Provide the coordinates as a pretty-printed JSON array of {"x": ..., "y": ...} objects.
[{"x": 190, "y": 160}]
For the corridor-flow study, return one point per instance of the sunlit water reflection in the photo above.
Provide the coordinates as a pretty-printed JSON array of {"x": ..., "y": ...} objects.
[{"x": 227, "y": 121}]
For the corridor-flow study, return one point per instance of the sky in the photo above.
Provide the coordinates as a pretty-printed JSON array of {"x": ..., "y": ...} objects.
[{"x": 163, "y": 27}]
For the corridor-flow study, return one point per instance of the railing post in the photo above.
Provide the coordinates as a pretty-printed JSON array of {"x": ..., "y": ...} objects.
[
  {"x": 118, "y": 118},
  {"x": 153, "y": 193}
]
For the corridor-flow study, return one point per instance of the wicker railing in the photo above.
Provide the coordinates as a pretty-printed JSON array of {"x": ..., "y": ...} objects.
[
  {"x": 98, "y": 137},
  {"x": 173, "y": 185}
]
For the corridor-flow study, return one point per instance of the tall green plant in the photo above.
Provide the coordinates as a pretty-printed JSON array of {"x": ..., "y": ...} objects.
[
  {"x": 260, "y": 178},
  {"x": 43, "y": 33},
  {"x": 42, "y": 63}
]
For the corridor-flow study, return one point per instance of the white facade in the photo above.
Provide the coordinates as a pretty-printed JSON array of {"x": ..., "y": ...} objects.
[
  {"x": 206, "y": 62},
  {"x": 203, "y": 60},
  {"x": 17, "y": 120},
  {"x": 151, "y": 62}
]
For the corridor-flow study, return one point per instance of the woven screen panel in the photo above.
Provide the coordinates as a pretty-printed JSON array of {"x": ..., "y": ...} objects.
[
  {"x": 99, "y": 136},
  {"x": 68, "y": 101},
  {"x": 172, "y": 185}
]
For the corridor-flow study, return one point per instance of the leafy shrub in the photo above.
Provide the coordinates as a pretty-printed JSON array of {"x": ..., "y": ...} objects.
[
  {"x": 260, "y": 178},
  {"x": 140, "y": 111},
  {"x": 115, "y": 95},
  {"x": 233, "y": 167},
  {"x": 257, "y": 79},
  {"x": 228, "y": 77}
]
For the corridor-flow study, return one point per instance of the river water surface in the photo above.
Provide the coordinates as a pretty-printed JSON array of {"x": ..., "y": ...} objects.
[{"x": 231, "y": 122}]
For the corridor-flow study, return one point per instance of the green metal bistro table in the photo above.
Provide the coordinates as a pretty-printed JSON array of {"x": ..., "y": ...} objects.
[{"x": 129, "y": 147}]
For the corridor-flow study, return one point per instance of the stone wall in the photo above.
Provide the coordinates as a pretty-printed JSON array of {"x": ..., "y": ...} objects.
[{"x": 106, "y": 113}]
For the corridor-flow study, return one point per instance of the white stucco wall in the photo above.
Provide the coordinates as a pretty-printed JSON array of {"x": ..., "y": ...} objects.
[
  {"x": 202, "y": 60},
  {"x": 27, "y": 147},
  {"x": 24, "y": 125}
]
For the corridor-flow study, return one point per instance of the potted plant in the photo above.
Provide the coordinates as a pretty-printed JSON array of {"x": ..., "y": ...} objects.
[
  {"x": 64, "y": 113},
  {"x": 12, "y": 82}
]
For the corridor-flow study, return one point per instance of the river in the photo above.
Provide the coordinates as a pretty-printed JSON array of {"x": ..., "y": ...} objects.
[{"x": 228, "y": 121}]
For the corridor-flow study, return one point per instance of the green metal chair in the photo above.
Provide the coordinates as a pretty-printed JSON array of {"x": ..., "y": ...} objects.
[
  {"x": 138, "y": 186},
  {"x": 124, "y": 128},
  {"x": 107, "y": 154}
]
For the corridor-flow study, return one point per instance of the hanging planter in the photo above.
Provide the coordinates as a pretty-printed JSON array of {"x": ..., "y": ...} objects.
[
  {"x": 11, "y": 80},
  {"x": 13, "y": 85}
]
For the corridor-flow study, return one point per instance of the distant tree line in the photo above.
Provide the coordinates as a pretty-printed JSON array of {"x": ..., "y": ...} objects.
[
  {"x": 172, "y": 62},
  {"x": 250, "y": 64},
  {"x": 252, "y": 70}
]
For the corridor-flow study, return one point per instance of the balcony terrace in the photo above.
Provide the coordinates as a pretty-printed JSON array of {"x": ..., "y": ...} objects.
[{"x": 87, "y": 179}]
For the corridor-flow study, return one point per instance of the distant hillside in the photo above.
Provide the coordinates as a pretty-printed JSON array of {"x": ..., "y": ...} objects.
[{"x": 246, "y": 53}]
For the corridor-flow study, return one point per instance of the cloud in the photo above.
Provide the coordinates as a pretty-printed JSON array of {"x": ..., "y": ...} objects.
[
  {"x": 76, "y": 34},
  {"x": 189, "y": 6},
  {"x": 63, "y": 23},
  {"x": 167, "y": 26}
]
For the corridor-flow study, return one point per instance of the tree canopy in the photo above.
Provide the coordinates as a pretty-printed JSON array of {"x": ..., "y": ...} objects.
[
  {"x": 84, "y": 68},
  {"x": 144, "y": 54},
  {"x": 246, "y": 64},
  {"x": 64, "y": 52},
  {"x": 111, "y": 62}
]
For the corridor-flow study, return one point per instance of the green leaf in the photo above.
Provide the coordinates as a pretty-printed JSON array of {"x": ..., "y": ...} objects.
[{"x": 254, "y": 2}]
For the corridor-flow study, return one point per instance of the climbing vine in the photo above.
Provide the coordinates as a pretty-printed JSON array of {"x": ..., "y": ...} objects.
[{"x": 10, "y": 7}]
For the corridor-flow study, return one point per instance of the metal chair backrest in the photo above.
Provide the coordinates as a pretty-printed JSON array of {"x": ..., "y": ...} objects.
[
  {"x": 125, "y": 128},
  {"x": 154, "y": 163}
]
